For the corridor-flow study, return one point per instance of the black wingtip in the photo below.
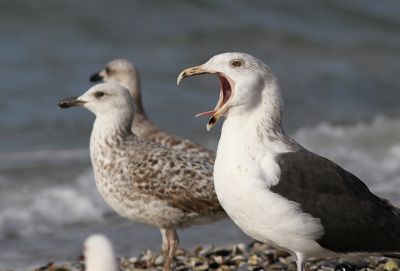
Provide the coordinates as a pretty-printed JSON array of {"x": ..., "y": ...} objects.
[{"x": 96, "y": 77}]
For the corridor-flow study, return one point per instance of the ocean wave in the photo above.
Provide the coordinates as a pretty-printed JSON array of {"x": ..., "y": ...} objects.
[{"x": 53, "y": 207}]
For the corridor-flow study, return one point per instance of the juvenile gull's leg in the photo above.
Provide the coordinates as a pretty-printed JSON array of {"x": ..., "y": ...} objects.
[
  {"x": 173, "y": 243},
  {"x": 165, "y": 246}
]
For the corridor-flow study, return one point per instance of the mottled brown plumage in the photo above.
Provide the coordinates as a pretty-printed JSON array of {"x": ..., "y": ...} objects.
[
  {"x": 144, "y": 171},
  {"x": 140, "y": 179}
]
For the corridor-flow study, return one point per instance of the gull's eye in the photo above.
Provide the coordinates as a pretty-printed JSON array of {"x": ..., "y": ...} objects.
[
  {"x": 99, "y": 94},
  {"x": 108, "y": 70},
  {"x": 236, "y": 63}
]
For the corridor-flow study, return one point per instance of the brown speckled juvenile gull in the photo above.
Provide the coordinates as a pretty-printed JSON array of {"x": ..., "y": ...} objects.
[
  {"x": 142, "y": 180},
  {"x": 121, "y": 71}
]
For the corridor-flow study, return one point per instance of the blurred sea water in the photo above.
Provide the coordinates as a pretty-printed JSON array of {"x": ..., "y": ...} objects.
[{"x": 336, "y": 61}]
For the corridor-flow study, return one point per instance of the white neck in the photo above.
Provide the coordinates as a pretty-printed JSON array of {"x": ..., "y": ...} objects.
[
  {"x": 111, "y": 127},
  {"x": 257, "y": 128}
]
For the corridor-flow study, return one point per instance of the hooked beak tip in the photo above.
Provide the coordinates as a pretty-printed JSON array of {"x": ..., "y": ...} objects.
[
  {"x": 180, "y": 77},
  {"x": 190, "y": 72},
  {"x": 211, "y": 122}
]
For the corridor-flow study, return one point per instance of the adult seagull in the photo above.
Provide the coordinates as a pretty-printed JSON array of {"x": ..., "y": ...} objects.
[{"x": 277, "y": 191}]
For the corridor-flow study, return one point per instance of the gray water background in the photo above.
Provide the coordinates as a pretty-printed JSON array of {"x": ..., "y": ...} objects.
[{"x": 337, "y": 64}]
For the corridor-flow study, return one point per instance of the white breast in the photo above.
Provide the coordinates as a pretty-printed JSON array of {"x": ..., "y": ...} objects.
[{"x": 242, "y": 176}]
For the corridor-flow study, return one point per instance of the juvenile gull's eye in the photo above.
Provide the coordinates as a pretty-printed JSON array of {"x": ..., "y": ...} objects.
[
  {"x": 236, "y": 63},
  {"x": 99, "y": 94}
]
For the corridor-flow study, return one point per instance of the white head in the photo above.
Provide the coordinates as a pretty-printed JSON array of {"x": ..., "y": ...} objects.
[
  {"x": 243, "y": 78},
  {"x": 99, "y": 254},
  {"x": 104, "y": 100},
  {"x": 122, "y": 72}
]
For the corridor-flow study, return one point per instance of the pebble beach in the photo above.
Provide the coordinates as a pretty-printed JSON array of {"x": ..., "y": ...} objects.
[{"x": 243, "y": 257}]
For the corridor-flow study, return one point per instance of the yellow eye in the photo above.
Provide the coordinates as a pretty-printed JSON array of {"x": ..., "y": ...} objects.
[{"x": 237, "y": 63}]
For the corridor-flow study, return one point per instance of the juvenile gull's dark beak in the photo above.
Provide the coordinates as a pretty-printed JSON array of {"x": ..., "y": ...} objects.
[
  {"x": 69, "y": 102},
  {"x": 96, "y": 77}
]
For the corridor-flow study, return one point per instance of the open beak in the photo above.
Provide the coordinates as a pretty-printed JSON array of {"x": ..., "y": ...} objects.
[
  {"x": 69, "y": 102},
  {"x": 224, "y": 95},
  {"x": 96, "y": 77}
]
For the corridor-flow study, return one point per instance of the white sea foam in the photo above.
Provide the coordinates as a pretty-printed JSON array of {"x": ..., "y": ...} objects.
[
  {"x": 49, "y": 209},
  {"x": 42, "y": 204}
]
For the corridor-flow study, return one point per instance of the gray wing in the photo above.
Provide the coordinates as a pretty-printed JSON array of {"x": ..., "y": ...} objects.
[{"x": 353, "y": 218}]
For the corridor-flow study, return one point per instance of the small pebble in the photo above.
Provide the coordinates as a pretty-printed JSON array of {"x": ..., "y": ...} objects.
[
  {"x": 391, "y": 265},
  {"x": 133, "y": 259},
  {"x": 253, "y": 260},
  {"x": 218, "y": 259},
  {"x": 159, "y": 260}
]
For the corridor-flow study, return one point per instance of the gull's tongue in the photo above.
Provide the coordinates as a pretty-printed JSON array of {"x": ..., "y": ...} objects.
[
  {"x": 212, "y": 112},
  {"x": 207, "y": 113}
]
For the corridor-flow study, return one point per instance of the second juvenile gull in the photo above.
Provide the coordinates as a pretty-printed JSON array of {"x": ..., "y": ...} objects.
[
  {"x": 123, "y": 72},
  {"x": 142, "y": 180},
  {"x": 275, "y": 190}
]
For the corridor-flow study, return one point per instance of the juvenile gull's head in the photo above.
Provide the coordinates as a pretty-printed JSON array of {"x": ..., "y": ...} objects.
[
  {"x": 99, "y": 254},
  {"x": 243, "y": 78},
  {"x": 105, "y": 99},
  {"x": 119, "y": 71}
]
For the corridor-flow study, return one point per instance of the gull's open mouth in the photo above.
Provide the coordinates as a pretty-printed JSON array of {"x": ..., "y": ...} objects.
[
  {"x": 225, "y": 94},
  {"x": 222, "y": 104}
]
